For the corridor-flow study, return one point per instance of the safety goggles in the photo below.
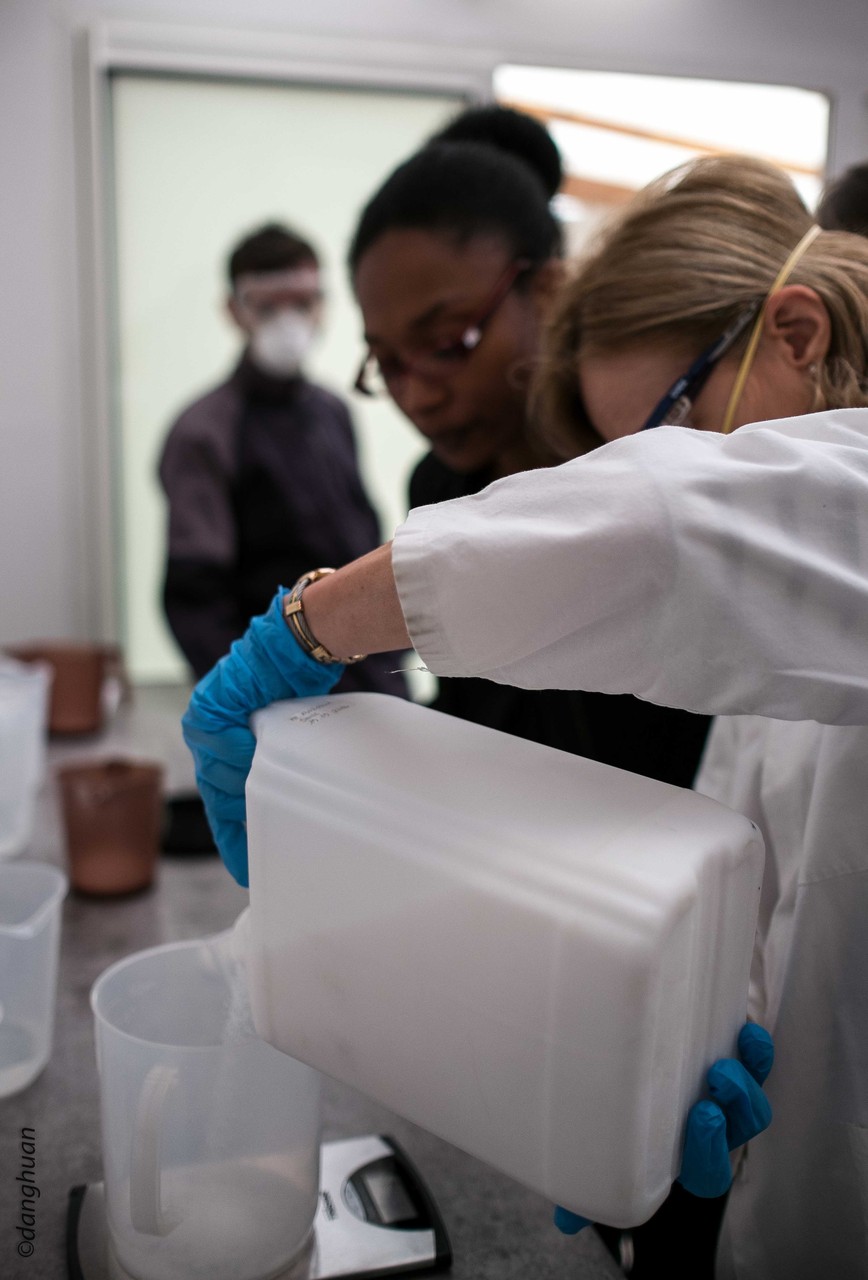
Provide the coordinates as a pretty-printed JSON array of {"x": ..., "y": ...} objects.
[{"x": 674, "y": 409}]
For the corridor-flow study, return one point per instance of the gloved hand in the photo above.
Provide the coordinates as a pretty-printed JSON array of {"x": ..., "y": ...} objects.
[
  {"x": 739, "y": 1112},
  {"x": 714, "y": 1128},
  {"x": 266, "y": 665}
]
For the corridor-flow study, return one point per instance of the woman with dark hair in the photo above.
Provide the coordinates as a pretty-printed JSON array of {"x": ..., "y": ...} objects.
[{"x": 454, "y": 262}]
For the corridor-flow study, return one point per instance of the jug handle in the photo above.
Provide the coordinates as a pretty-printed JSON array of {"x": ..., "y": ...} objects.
[{"x": 146, "y": 1212}]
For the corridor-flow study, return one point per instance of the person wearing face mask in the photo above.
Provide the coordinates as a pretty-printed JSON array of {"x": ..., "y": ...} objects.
[{"x": 260, "y": 473}]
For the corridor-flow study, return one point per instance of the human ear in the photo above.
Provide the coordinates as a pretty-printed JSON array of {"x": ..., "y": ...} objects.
[{"x": 797, "y": 321}]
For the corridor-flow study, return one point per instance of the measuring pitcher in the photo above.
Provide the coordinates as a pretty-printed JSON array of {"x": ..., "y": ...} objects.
[
  {"x": 24, "y": 692},
  {"x": 31, "y": 896},
  {"x": 210, "y": 1137}
]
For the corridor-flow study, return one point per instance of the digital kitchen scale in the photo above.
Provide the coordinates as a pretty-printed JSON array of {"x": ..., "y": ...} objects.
[{"x": 375, "y": 1218}]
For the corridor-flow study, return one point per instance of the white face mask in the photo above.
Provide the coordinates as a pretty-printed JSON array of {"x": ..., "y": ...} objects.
[{"x": 279, "y": 344}]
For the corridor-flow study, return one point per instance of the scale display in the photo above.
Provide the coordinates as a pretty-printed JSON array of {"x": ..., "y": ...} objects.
[{"x": 387, "y": 1194}]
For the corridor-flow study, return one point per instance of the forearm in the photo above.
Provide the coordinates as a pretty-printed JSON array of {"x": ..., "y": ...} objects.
[{"x": 356, "y": 609}]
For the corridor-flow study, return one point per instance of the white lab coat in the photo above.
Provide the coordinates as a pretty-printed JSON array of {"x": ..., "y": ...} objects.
[
  {"x": 799, "y": 1204},
  {"x": 717, "y": 573},
  {"x": 725, "y": 575}
]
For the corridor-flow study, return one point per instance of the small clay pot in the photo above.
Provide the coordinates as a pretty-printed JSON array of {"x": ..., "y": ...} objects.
[
  {"x": 112, "y": 814},
  {"x": 80, "y": 673}
]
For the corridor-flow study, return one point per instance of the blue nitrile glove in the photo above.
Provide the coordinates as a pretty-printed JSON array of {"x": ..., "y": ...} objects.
[
  {"x": 740, "y": 1111},
  {"x": 569, "y": 1223},
  {"x": 266, "y": 665}
]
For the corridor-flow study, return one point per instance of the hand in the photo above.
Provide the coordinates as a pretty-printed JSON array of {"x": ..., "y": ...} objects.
[
  {"x": 714, "y": 1128},
  {"x": 739, "y": 1112},
  {"x": 266, "y": 665}
]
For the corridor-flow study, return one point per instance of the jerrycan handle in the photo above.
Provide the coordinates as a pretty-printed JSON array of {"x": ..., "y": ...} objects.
[{"x": 146, "y": 1212}]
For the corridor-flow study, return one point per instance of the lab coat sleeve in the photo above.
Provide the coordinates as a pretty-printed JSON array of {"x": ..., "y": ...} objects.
[{"x": 719, "y": 574}]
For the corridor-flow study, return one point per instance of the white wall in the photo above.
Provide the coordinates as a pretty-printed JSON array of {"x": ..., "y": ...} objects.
[
  {"x": 40, "y": 472},
  {"x": 46, "y": 533}
]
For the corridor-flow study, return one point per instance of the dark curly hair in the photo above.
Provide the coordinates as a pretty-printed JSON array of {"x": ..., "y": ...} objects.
[
  {"x": 844, "y": 203},
  {"x": 491, "y": 169}
]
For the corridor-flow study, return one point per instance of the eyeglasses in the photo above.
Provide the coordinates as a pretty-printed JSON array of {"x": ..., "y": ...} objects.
[
  {"x": 674, "y": 409},
  {"x": 259, "y": 308},
  {"x": 378, "y": 375}
]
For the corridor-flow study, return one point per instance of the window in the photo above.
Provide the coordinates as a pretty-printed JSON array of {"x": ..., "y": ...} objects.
[{"x": 617, "y": 132}]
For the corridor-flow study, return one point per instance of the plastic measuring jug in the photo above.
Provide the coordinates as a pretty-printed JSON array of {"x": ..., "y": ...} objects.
[
  {"x": 532, "y": 955},
  {"x": 24, "y": 691},
  {"x": 31, "y": 895},
  {"x": 210, "y": 1137}
]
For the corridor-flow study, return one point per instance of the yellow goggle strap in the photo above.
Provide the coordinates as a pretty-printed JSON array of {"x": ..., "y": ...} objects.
[{"x": 750, "y": 350}]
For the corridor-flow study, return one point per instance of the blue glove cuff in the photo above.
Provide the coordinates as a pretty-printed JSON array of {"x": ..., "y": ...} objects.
[{"x": 266, "y": 665}]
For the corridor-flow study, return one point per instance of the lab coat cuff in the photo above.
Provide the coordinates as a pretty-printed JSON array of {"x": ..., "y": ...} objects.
[{"x": 421, "y": 589}]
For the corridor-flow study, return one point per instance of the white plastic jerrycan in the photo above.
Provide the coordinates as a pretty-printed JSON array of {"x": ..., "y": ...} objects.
[
  {"x": 210, "y": 1137},
  {"x": 532, "y": 955}
]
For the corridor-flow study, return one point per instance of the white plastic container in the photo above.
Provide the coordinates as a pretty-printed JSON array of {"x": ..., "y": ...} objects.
[
  {"x": 210, "y": 1138},
  {"x": 534, "y": 956},
  {"x": 24, "y": 691},
  {"x": 31, "y": 897}
]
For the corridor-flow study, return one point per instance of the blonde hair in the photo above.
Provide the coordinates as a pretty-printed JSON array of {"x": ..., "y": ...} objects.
[{"x": 684, "y": 259}]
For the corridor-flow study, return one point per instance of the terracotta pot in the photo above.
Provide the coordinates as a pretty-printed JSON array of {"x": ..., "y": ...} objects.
[
  {"x": 80, "y": 674},
  {"x": 112, "y": 813}
]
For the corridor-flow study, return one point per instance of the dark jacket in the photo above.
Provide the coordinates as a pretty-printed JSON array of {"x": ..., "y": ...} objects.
[{"x": 263, "y": 484}]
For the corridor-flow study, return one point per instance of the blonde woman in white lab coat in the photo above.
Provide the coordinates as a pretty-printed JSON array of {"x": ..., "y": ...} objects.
[
  {"x": 690, "y": 259},
  {"x": 720, "y": 565}
]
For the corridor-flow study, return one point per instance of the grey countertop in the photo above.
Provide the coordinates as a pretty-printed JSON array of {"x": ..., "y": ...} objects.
[{"x": 497, "y": 1228}]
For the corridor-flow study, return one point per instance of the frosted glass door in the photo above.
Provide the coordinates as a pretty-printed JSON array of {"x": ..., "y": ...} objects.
[{"x": 196, "y": 165}]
